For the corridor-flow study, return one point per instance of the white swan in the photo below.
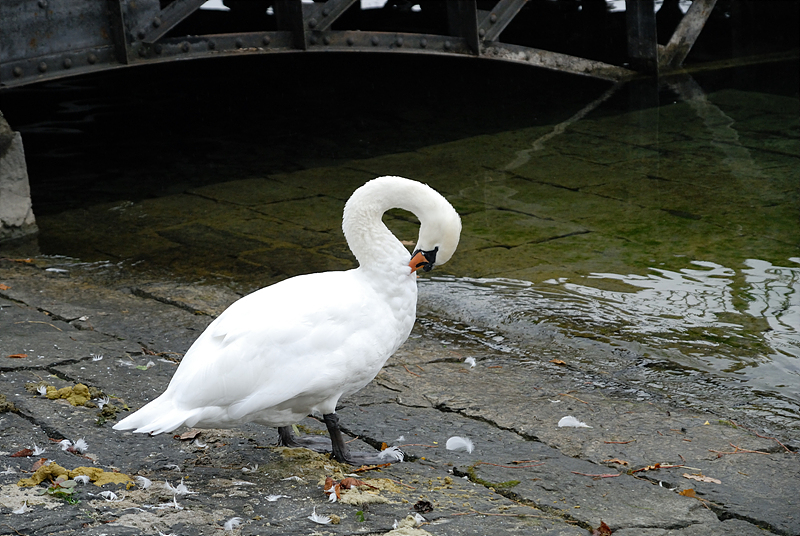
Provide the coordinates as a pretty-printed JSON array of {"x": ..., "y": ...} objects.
[{"x": 296, "y": 347}]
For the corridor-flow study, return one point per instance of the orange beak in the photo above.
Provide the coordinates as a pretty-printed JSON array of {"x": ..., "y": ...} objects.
[{"x": 417, "y": 261}]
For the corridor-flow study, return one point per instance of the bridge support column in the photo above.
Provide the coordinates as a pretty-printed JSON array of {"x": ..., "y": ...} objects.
[{"x": 16, "y": 212}]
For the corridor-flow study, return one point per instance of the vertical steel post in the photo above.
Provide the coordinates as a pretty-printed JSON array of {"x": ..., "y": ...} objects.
[
  {"x": 462, "y": 21},
  {"x": 640, "y": 16}
]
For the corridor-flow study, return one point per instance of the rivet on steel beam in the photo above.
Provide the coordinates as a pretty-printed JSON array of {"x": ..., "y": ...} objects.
[
  {"x": 156, "y": 22},
  {"x": 42, "y": 67},
  {"x": 158, "y": 48},
  {"x": 326, "y": 11},
  {"x": 312, "y": 40},
  {"x": 140, "y": 34},
  {"x": 326, "y": 40},
  {"x": 351, "y": 41},
  {"x": 211, "y": 45},
  {"x": 375, "y": 40},
  {"x": 67, "y": 63},
  {"x": 239, "y": 43},
  {"x": 492, "y": 18},
  {"x": 17, "y": 71},
  {"x": 142, "y": 52},
  {"x": 43, "y": 4},
  {"x": 447, "y": 45},
  {"x": 267, "y": 40},
  {"x": 423, "y": 43},
  {"x": 312, "y": 23},
  {"x": 184, "y": 46},
  {"x": 481, "y": 32},
  {"x": 398, "y": 41},
  {"x": 91, "y": 59}
]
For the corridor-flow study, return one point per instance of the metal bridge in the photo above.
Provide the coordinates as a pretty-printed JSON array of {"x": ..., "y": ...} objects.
[{"x": 49, "y": 39}]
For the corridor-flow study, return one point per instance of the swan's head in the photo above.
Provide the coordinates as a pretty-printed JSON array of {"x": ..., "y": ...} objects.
[{"x": 438, "y": 236}]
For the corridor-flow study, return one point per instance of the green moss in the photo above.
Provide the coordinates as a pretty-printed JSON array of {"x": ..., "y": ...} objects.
[{"x": 473, "y": 476}]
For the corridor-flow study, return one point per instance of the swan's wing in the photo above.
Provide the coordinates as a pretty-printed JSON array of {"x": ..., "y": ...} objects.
[{"x": 276, "y": 344}]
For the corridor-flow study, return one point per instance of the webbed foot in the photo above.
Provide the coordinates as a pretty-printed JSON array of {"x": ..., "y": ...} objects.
[
  {"x": 316, "y": 443},
  {"x": 342, "y": 454}
]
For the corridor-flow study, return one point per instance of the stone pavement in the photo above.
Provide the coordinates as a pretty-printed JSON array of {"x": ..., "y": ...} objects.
[{"x": 644, "y": 467}]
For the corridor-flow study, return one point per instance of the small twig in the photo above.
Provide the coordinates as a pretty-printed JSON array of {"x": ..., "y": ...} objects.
[
  {"x": 787, "y": 449},
  {"x": 657, "y": 466},
  {"x": 38, "y": 322},
  {"x": 6, "y": 524},
  {"x": 575, "y": 397},
  {"x": 737, "y": 450},
  {"x": 364, "y": 468},
  {"x": 508, "y": 466},
  {"x": 604, "y": 475},
  {"x": 414, "y": 373}
]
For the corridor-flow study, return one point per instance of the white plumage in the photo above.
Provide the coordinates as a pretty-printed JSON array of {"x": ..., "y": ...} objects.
[{"x": 296, "y": 347}]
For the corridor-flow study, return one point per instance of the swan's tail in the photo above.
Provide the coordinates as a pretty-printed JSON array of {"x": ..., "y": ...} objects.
[{"x": 159, "y": 415}]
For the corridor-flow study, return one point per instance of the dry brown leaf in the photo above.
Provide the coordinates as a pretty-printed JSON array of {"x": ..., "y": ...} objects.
[
  {"x": 38, "y": 464},
  {"x": 18, "y": 356},
  {"x": 331, "y": 486},
  {"x": 4, "y": 287},
  {"x": 688, "y": 493},
  {"x": 701, "y": 478},
  {"x": 558, "y": 362},
  {"x": 602, "y": 530},
  {"x": 617, "y": 461},
  {"x": 24, "y": 453},
  {"x": 350, "y": 482},
  {"x": 649, "y": 468},
  {"x": 370, "y": 467},
  {"x": 191, "y": 434}
]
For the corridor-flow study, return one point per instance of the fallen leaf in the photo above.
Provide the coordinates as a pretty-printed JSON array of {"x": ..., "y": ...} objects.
[
  {"x": 38, "y": 464},
  {"x": 688, "y": 493},
  {"x": 602, "y": 530},
  {"x": 332, "y": 487},
  {"x": 350, "y": 482},
  {"x": 701, "y": 478},
  {"x": 371, "y": 467},
  {"x": 18, "y": 356},
  {"x": 384, "y": 446},
  {"x": 24, "y": 453},
  {"x": 191, "y": 434},
  {"x": 617, "y": 461},
  {"x": 653, "y": 467},
  {"x": 558, "y": 362},
  {"x": 4, "y": 287}
]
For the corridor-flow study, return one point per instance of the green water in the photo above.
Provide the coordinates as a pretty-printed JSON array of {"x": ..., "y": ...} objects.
[{"x": 664, "y": 228}]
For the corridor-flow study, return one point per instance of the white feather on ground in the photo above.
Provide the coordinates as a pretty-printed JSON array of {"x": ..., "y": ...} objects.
[
  {"x": 571, "y": 422},
  {"x": 459, "y": 443}
]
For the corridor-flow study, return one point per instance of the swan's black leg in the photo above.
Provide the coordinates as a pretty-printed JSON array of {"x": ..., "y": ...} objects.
[
  {"x": 316, "y": 443},
  {"x": 340, "y": 451},
  {"x": 338, "y": 446}
]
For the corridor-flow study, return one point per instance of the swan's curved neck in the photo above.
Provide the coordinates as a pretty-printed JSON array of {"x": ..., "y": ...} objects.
[{"x": 370, "y": 240}]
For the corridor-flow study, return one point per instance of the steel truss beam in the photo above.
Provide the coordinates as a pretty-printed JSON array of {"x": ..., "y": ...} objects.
[{"x": 50, "y": 39}]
